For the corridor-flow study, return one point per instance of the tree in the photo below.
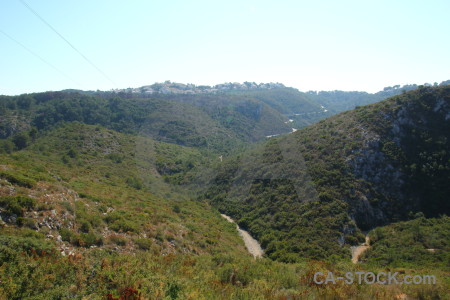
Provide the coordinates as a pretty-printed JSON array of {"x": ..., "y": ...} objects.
[
  {"x": 6, "y": 146},
  {"x": 33, "y": 133},
  {"x": 20, "y": 140}
]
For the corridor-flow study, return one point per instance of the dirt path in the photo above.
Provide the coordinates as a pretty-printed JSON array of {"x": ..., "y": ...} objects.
[
  {"x": 252, "y": 245},
  {"x": 357, "y": 251}
]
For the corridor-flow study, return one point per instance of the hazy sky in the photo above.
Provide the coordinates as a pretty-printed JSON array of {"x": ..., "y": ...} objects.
[{"x": 310, "y": 45}]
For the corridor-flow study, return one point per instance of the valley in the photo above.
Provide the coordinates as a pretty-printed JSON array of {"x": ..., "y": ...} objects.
[{"x": 233, "y": 191}]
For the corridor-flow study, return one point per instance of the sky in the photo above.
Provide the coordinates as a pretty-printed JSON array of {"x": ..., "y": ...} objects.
[{"x": 361, "y": 45}]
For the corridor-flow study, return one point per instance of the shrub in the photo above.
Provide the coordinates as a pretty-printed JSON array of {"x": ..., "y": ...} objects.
[
  {"x": 20, "y": 140},
  {"x": 17, "y": 204},
  {"x": 226, "y": 273},
  {"x": 6, "y": 146},
  {"x": 18, "y": 179},
  {"x": 118, "y": 240},
  {"x": 176, "y": 209},
  {"x": 21, "y": 221},
  {"x": 173, "y": 290},
  {"x": 29, "y": 245},
  {"x": 26, "y": 202},
  {"x": 89, "y": 239},
  {"x": 67, "y": 235},
  {"x": 124, "y": 226},
  {"x": 85, "y": 226},
  {"x": 143, "y": 244},
  {"x": 221, "y": 259},
  {"x": 72, "y": 153},
  {"x": 117, "y": 158},
  {"x": 134, "y": 182}
]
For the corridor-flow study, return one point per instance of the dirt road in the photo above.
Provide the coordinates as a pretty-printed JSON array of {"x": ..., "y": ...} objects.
[
  {"x": 357, "y": 251},
  {"x": 252, "y": 245}
]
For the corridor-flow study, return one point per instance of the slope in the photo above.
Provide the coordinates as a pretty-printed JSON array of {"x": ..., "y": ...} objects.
[
  {"x": 93, "y": 213},
  {"x": 306, "y": 194}
]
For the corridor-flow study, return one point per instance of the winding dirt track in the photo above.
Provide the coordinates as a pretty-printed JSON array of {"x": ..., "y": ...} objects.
[
  {"x": 253, "y": 247},
  {"x": 358, "y": 250}
]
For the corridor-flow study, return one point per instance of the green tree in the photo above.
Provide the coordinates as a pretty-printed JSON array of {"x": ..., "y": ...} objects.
[{"x": 20, "y": 140}]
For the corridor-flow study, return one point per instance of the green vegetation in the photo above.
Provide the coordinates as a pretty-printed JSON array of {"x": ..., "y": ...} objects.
[
  {"x": 17, "y": 179},
  {"x": 424, "y": 242},
  {"x": 16, "y": 204},
  {"x": 281, "y": 208},
  {"x": 41, "y": 273},
  {"x": 91, "y": 209},
  {"x": 216, "y": 122},
  {"x": 301, "y": 194}
]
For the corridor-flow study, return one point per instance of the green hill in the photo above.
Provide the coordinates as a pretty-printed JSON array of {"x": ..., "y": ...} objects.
[
  {"x": 120, "y": 197},
  {"x": 164, "y": 120},
  {"x": 309, "y": 193}
]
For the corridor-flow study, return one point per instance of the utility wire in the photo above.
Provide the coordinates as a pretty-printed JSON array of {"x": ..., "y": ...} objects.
[
  {"x": 39, "y": 57},
  {"x": 69, "y": 43}
]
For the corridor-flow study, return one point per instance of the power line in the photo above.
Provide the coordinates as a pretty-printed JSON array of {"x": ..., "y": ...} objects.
[
  {"x": 39, "y": 57},
  {"x": 69, "y": 43}
]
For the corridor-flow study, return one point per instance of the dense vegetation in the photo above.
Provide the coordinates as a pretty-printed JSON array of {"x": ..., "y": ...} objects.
[
  {"x": 162, "y": 119},
  {"x": 110, "y": 196},
  {"x": 270, "y": 193},
  {"x": 378, "y": 164},
  {"x": 421, "y": 241}
]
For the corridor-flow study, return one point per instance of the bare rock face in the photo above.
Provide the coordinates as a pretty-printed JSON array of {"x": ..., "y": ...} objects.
[{"x": 405, "y": 159}]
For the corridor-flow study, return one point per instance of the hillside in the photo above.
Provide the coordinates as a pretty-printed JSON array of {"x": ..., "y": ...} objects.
[
  {"x": 87, "y": 182},
  {"x": 406, "y": 244},
  {"x": 306, "y": 193},
  {"x": 220, "y": 123},
  {"x": 90, "y": 211},
  {"x": 162, "y": 119}
]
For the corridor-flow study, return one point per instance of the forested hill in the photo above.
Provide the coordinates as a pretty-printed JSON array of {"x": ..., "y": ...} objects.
[
  {"x": 305, "y": 193},
  {"x": 395, "y": 153},
  {"x": 220, "y": 118},
  {"x": 302, "y": 108},
  {"x": 222, "y": 124},
  {"x": 99, "y": 195}
]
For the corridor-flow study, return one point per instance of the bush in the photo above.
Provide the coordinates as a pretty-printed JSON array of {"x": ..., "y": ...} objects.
[
  {"x": 20, "y": 140},
  {"x": 88, "y": 239},
  {"x": 18, "y": 179},
  {"x": 17, "y": 204},
  {"x": 26, "y": 202},
  {"x": 29, "y": 245},
  {"x": 118, "y": 240},
  {"x": 6, "y": 146},
  {"x": 221, "y": 259},
  {"x": 85, "y": 226},
  {"x": 226, "y": 273},
  {"x": 143, "y": 244},
  {"x": 124, "y": 226},
  {"x": 176, "y": 209},
  {"x": 72, "y": 153},
  {"x": 117, "y": 158},
  {"x": 134, "y": 182},
  {"x": 173, "y": 290},
  {"x": 67, "y": 235},
  {"x": 21, "y": 221}
]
